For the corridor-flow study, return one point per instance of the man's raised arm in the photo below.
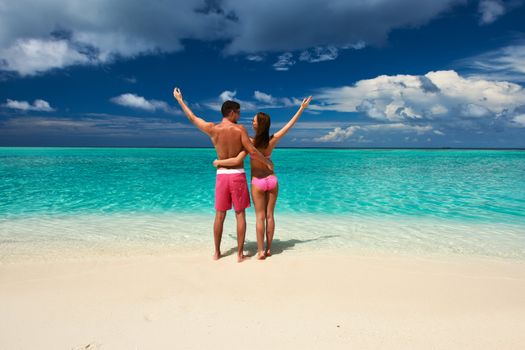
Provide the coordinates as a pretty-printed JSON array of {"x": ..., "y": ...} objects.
[
  {"x": 250, "y": 148},
  {"x": 200, "y": 123}
]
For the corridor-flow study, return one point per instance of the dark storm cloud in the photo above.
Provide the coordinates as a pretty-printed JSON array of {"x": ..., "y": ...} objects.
[
  {"x": 49, "y": 34},
  {"x": 277, "y": 25}
]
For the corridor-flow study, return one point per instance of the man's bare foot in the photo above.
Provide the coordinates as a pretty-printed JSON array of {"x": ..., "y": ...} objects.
[
  {"x": 242, "y": 257},
  {"x": 268, "y": 252},
  {"x": 217, "y": 256}
]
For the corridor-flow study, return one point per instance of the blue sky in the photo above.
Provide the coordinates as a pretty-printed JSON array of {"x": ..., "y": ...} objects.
[{"x": 383, "y": 73}]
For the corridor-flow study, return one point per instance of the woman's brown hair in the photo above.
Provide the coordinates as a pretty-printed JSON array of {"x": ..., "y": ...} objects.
[{"x": 262, "y": 135}]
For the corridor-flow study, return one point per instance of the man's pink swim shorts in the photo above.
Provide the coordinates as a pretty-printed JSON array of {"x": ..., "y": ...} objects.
[{"x": 231, "y": 187}]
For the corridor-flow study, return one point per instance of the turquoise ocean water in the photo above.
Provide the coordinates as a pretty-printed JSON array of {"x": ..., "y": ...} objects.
[{"x": 58, "y": 201}]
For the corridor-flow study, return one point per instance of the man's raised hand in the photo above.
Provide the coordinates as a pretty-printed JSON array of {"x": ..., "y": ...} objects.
[{"x": 177, "y": 94}]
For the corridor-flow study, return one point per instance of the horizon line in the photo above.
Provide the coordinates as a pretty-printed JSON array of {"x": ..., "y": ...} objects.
[{"x": 304, "y": 147}]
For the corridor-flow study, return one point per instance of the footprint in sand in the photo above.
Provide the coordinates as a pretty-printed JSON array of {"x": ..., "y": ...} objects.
[
  {"x": 90, "y": 346},
  {"x": 149, "y": 317}
]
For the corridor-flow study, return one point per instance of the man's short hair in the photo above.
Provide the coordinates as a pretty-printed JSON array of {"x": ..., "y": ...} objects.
[{"x": 229, "y": 106}]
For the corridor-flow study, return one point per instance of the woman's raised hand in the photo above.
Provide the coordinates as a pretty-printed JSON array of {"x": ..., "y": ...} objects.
[{"x": 306, "y": 102}]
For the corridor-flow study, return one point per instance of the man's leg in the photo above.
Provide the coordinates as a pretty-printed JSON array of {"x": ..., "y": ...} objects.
[
  {"x": 217, "y": 232},
  {"x": 240, "y": 216}
]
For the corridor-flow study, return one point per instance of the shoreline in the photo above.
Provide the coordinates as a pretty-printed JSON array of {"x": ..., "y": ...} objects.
[
  {"x": 75, "y": 237},
  {"x": 159, "y": 250},
  {"x": 294, "y": 299}
]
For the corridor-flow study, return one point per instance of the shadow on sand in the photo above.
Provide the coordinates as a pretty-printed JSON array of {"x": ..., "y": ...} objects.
[{"x": 278, "y": 246}]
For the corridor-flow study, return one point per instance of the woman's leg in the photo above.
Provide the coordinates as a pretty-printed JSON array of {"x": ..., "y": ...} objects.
[
  {"x": 270, "y": 220},
  {"x": 259, "y": 202}
]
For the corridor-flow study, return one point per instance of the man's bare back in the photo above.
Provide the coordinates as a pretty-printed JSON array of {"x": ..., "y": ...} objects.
[{"x": 227, "y": 139}]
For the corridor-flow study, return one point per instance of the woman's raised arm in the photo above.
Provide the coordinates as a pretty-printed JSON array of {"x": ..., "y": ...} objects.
[{"x": 279, "y": 134}]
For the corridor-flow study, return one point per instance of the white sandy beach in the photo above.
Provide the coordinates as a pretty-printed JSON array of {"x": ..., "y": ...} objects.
[{"x": 331, "y": 300}]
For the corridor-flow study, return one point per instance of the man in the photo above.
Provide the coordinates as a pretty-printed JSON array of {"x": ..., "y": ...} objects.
[{"x": 229, "y": 140}]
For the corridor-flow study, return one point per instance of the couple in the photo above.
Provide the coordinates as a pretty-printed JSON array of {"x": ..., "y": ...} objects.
[{"x": 233, "y": 144}]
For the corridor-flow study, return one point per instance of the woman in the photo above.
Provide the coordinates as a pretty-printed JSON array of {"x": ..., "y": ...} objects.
[{"x": 264, "y": 182}]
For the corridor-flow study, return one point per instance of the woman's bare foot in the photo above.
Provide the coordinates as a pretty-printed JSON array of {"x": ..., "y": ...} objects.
[
  {"x": 268, "y": 252},
  {"x": 261, "y": 256},
  {"x": 242, "y": 257},
  {"x": 217, "y": 256}
]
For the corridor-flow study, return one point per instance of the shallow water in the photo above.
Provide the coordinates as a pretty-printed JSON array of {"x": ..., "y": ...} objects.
[{"x": 463, "y": 202}]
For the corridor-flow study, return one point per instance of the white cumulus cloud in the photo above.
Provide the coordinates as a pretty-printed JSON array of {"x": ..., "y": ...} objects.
[
  {"x": 139, "y": 102},
  {"x": 263, "y": 97},
  {"x": 38, "y": 105},
  {"x": 261, "y": 100},
  {"x": 227, "y": 95},
  {"x": 338, "y": 134},
  {"x": 30, "y": 56},
  {"x": 438, "y": 102},
  {"x": 36, "y": 36},
  {"x": 435, "y": 95},
  {"x": 270, "y": 101},
  {"x": 341, "y": 134}
]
